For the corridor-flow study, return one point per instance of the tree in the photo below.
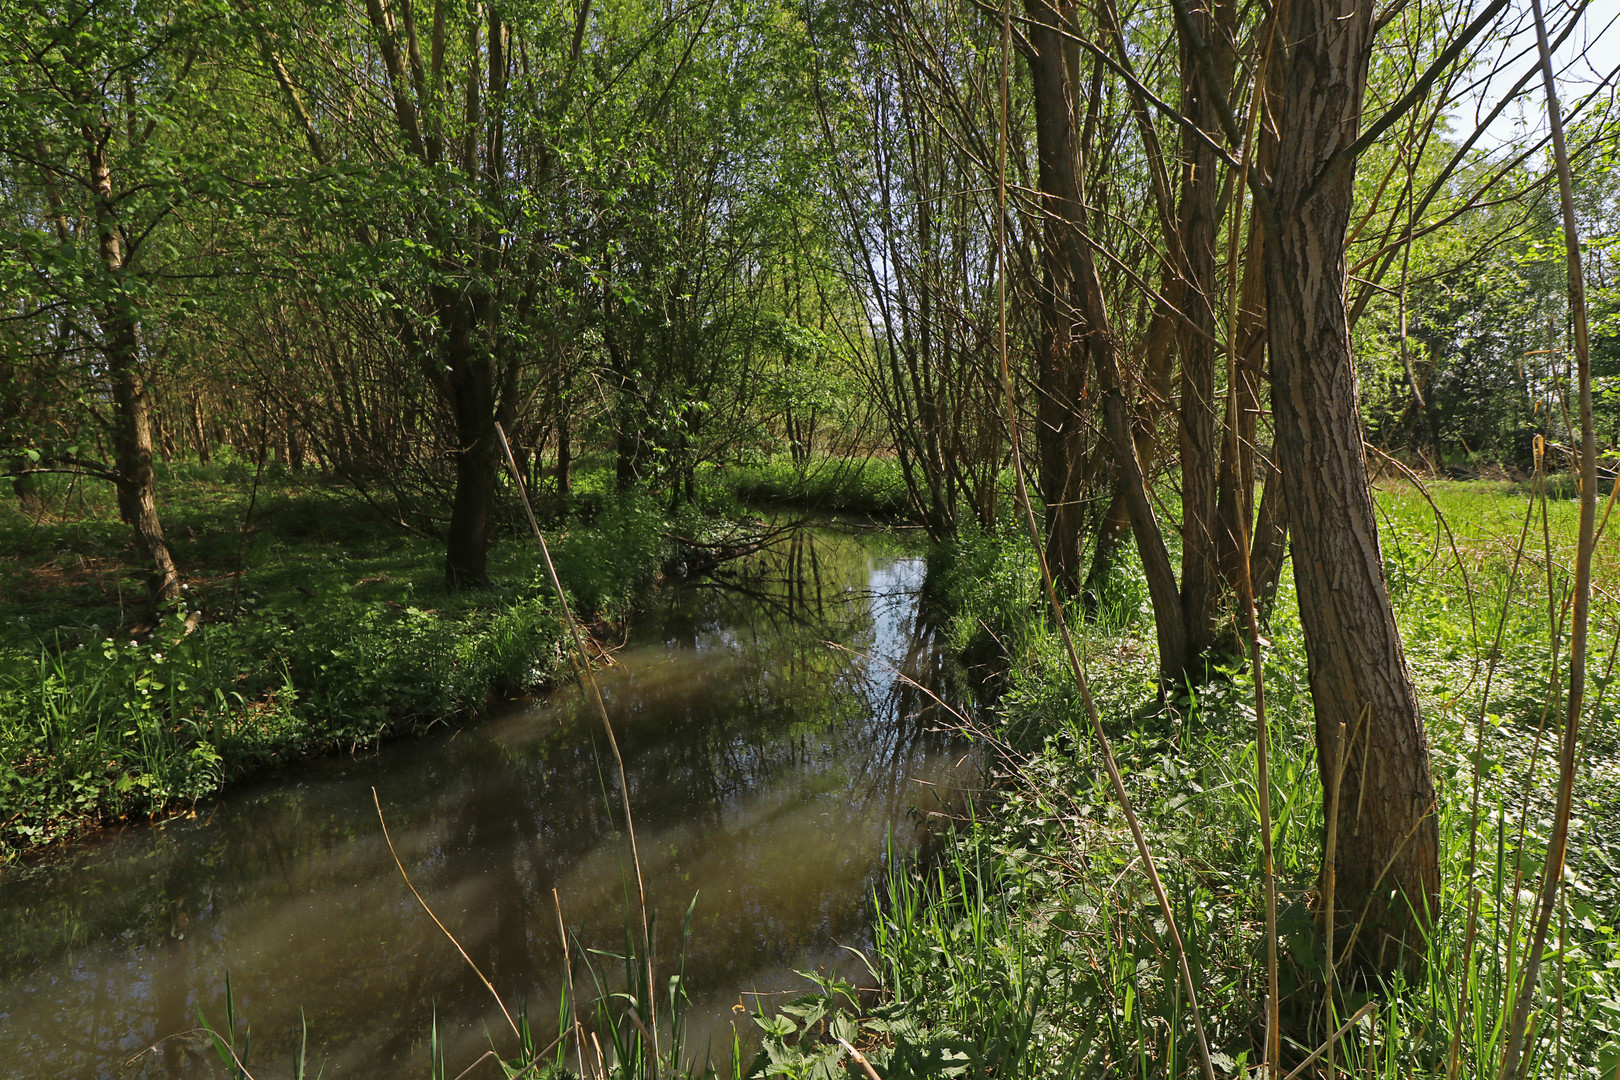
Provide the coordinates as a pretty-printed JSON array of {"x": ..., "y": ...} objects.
[
  {"x": 106, "y": 143},
  {"x": 462, "y": 130},
  {"x": 1381, "y": 872}
]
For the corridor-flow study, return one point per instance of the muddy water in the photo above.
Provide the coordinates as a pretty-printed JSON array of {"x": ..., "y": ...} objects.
[{"x": 766, "y": 771}]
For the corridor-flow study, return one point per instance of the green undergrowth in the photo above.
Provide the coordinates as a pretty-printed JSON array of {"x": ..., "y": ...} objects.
[
  {"x": 871, "y": 485},
  {"x": 1034, "y": 947},
  {"x": 318, "y": 626}
]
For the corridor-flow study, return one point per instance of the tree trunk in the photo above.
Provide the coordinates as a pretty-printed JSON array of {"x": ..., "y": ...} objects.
[
  {"x": 1270, "y": 542},
  {"x": 198, "y": 430},
  {"x": 1198, "y": 224},
  {"x": 1384, "y": 877},
  {"x": 565, "y": 456},
  {"x": 1059, "y": 372},
  {"x": 470, "y": 375},
  {"x": 1058, "y": 144},
  {"x": 1235, "y": 483},
  {"x": 1111, "y": 534},
  {"x": 132, "y": 406}
]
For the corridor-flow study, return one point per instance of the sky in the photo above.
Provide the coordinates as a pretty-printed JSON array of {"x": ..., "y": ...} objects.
[{"x": 1597, "y": 36}]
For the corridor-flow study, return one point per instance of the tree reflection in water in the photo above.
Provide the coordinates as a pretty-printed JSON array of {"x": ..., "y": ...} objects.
[{"x": 767, "y": 770}]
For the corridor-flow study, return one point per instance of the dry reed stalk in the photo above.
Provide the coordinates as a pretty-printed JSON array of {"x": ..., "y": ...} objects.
[
  {"x": 1271, "y": 1057},
  {"x": 588, "y": 678},
  {"x": 1332, "y": 1040},
  {"x": 1557, "y": 848},
  {"x": 1104, "y": 748},
  {"x": 568, "y": 974},
  {"x": 859, "y": 1059},
  {"x": 1330, "y": 874},
  {"x": 436, "y": 921},
  {"x": 485, "y": 1056},
  {"x": 1454, "y": 1059},
  {"x": 1372, "y": 1045}
]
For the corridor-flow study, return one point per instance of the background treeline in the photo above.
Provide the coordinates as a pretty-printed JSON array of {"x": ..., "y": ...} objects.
[{"x": 352, "y": 237}]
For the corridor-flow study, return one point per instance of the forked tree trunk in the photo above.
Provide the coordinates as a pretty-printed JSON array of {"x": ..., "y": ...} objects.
[
  {"x": 1062, "y": 192},
  {"x": 132, "y": 405},
  {"x": 1384, "y": 877}
]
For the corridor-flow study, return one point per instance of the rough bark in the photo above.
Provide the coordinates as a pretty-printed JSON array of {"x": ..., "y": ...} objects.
[
  {"x": 470, "y": 382},
  {"x": 1059, "y": 372},
  {"x": 565, "y": 456},
  {"x": 1384, "y": 875},
  {"x": 1198, "y": 223}
]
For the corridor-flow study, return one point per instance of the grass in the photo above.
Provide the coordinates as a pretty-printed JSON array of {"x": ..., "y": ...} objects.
[
  {"x": 316, "y": 625},
  {"x": 1035, "y": 949},
  {"x": 873, "y": 486}
]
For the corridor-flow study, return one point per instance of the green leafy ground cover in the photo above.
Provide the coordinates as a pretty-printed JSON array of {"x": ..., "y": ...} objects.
[
  {"x": 1032, "y": 946},
  {"x": 870, "y": 485},
  {"x": 320, "y": 625}
]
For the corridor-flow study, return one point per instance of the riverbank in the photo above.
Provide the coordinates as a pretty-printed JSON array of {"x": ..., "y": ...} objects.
[
  {"x": 1035, "y": 947},
  {"x": 309, "y": 623},
  {"x": 1032, "y": 946},
  {"x": 771, "y": 775}
]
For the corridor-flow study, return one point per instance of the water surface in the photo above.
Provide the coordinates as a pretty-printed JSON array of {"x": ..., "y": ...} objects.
[{"x": 767, "y": 769}]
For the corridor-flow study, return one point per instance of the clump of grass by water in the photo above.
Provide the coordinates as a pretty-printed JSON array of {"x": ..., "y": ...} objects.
[{"x": 863, "y": 485}]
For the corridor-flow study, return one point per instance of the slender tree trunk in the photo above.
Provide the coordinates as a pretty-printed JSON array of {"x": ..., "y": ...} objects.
[
  {"x": 1270, "y": 541},
  {"x": 199, "y": 431},
  {"x": 1059, "y": 370},
  {"x": 1384, "y": 877},
  {"x": 1060, "y": 146},
  {"x": 132, "y": 455},
  {"x": 132, "y": 405},
  {"x": 1159, "y": 347},
  {"x": 1236, "y": 508},
  {"x": 1111, "y": 533},
  {"x": 1198, "y": 225},
  {"x": 565, "y": 454}
]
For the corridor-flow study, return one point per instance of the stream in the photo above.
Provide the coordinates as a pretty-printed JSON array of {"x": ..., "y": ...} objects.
[{"x": 772, "y": 752}]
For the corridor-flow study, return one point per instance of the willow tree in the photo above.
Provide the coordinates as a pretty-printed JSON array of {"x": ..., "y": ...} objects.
[
  {"x": 1381, "y": 873},
  {"x": 453, "y": 109}
]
